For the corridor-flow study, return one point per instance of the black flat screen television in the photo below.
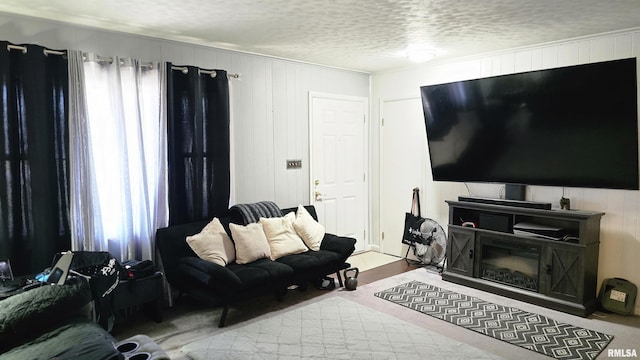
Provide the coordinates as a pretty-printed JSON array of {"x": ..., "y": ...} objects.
[{"x": 573, "y": 126}]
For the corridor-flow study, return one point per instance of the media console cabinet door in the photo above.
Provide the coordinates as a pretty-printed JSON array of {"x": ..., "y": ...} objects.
[
  {"x": 460, "y": 252},
  {"x": 565, "y": 272}
]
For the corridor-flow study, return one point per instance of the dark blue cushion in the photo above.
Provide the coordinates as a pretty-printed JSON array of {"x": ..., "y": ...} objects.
[
  {"x": 311, "y": 265},
  {"x": 262, "y": 274},
  {"x": 207, "y": 274}
]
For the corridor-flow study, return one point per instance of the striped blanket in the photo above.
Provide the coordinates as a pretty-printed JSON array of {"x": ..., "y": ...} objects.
[{"x": 250, "y": 213}]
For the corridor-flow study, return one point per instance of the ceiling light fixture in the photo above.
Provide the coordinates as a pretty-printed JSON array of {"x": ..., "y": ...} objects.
[{"x": 420, "y": 53}]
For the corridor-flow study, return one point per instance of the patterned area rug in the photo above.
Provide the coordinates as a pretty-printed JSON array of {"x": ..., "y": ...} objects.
[
  {"x": 528, "y": 330},
  {"x": 332, "y": 328}
]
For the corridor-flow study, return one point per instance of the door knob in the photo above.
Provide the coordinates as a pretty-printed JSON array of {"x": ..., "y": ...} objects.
[{"x": 317, "y": 193}]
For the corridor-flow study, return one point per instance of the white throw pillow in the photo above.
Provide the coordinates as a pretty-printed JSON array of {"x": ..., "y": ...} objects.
[
  {"x": 213, "y": 244},
  {"x": 282, "y": 237},
  {"x": 311, "y": 231},
  {"x": 251, "y": 242}
]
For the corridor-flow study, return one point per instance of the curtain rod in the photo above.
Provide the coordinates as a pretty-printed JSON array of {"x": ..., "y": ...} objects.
[
  {"x": 213, "y": 74},
  {"x": 53, "y": 52},
  {"x": 47, "y": 52},
  {"x": 109, "y": 59},
  {"x": 88, "y": 57}
]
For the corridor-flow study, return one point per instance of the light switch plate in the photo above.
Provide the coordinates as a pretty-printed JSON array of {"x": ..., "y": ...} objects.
[{"x": 294, "y": 164}]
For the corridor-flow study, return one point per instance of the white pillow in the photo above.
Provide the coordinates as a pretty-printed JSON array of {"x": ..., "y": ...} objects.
[
  {"x": 213, "y": 244},
  {"x": 251, "y": 243},
  {"x": 311, "y": 231},
  {"x": 282, "y": 237}
]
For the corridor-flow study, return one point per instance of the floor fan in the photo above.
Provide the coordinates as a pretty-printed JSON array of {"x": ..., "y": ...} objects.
[{"x": 431, "y": 250}]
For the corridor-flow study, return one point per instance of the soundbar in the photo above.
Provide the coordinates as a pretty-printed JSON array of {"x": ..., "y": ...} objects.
[{"x": 504, "y": 202}]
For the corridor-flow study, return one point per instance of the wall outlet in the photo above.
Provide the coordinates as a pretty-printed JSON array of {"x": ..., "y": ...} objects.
[{"x": 294, "y": 164}]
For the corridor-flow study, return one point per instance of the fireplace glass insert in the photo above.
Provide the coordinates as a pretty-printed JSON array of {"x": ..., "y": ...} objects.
[{"x": 511, "y": 262}]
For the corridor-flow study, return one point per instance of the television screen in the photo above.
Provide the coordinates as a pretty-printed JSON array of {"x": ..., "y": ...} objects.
[{"x": 573, "y": 126}]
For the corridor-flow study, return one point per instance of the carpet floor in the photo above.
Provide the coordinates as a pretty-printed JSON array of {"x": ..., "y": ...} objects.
[
  {"x": 512, "y": 325},
  {"x": 189, "y": 322},
  {"x": 332, "y": 328}
]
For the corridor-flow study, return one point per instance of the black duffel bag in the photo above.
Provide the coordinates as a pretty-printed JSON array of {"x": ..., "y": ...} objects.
[{"x": 137, "y": 269}]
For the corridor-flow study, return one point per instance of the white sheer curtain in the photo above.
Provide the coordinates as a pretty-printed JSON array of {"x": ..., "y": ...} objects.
[{"x": 118, "y": 160}]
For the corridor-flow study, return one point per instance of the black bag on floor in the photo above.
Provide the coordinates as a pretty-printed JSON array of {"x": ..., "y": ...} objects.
[
  {"x": 412, "y": 229},
  {"x": 618, "y": 295},
  {"x": 103, "y": 271},
  {"x": 412, "y": 222},
  {"x": 137, "y": 269}
]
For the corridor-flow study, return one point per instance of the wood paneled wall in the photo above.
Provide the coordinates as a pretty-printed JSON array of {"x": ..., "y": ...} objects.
[
  {"x": 270, "y": 115},
  {"x": 620, "y": 227}
]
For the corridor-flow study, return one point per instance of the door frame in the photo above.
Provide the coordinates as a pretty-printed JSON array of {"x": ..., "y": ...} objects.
[{"x": 366, "y": 191}]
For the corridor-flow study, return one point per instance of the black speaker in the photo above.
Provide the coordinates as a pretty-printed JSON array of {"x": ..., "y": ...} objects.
[
  {"x": 495, "y": 222},
  {"x": 515, "y": 191}
]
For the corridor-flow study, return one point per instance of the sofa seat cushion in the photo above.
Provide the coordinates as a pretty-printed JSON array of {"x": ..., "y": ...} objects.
[
  {"x": 262, "y": 274},
  {"x": 312, "y": 264},
  {"x": 205, "y": 274}
]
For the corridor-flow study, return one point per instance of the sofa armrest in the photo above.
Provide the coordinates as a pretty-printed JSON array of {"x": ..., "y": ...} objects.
[
  {"x": 345, "y": 246},
  {"x": 172, "y": 246},
  {"x": 210, "y": 275}
]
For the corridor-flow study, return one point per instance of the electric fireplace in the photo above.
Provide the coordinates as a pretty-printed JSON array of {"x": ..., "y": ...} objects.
[{"x": 511, "y": 263}]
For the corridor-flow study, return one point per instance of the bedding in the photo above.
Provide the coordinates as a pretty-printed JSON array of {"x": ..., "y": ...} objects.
[{"x": 53, "y": 321}]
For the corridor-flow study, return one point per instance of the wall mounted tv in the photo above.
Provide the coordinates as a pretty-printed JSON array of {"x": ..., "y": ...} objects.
[{"x": 573, "y": 126}]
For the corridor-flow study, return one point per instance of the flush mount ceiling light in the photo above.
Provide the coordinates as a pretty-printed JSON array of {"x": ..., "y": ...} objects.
[{"x": 420, "y": 53}]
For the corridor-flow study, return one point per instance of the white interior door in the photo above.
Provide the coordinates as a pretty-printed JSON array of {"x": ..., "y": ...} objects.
[
  {"x": 404, "y": 154},
  {"x": 338, "y": 160}
]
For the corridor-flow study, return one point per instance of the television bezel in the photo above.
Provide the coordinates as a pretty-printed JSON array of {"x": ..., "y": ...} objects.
[{"x": 633, "y": 184}]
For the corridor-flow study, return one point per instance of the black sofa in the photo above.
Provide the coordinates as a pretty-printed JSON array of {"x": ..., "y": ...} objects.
[{"x": 218, "y": 285}]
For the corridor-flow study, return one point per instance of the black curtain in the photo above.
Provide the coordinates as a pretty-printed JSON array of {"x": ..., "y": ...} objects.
[
  {"x": 198, "y": 143},
  {"x": 34, "y": 217}
]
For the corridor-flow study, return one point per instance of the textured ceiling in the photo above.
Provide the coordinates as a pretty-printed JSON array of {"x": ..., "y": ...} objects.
[{"x": 364, "y": 35}]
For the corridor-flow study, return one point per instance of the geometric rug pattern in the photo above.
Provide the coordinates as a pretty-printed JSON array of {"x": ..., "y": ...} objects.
[
  {"x": 331, "y": 328},
  {"x": 514, "y": 326}
]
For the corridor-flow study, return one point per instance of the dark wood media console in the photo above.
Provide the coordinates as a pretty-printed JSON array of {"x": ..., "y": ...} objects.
[{"x": 553, "y": 263}]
